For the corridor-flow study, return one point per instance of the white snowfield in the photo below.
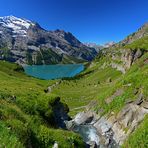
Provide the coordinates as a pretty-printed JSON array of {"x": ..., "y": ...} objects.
[{"x": 19, "y": 26}]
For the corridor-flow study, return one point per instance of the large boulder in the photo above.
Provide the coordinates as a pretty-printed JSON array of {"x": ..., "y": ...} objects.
[{"x": 83, "y": 117}]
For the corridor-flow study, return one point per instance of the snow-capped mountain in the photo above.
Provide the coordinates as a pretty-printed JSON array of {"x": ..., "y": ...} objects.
[
  {"x": 18, "y": 26},
  {"x": 109, "y": 44},
  {"x": 97, "y": 47},
  {"x": 24, "y": 41}
]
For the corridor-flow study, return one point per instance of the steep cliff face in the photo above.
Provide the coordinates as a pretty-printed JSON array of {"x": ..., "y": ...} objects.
[
  {"x": 123, "y": 59},
  {"x": 125, "y": 53},
  {"x": 24, "y": 41}
]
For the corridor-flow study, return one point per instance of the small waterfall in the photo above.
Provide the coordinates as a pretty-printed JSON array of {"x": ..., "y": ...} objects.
[{"x": 88, "y": 133}]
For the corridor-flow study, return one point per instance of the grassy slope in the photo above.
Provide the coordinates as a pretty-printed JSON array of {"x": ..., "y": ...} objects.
[
  {"x": 139, "y": 138},
  {"x": 141, "y": 43},
  {"x": 96, "y": 86},
  {"x": 79, "y": 92},
  {"x": 26, "y": 112}
]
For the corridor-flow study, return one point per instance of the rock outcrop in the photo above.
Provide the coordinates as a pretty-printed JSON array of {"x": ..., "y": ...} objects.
[
  {"x": 125, "y": 53},
  {"x": 123, "y": 59}
]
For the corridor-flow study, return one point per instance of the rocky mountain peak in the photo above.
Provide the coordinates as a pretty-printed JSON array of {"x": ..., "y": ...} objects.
[
  {"x": 9, "y": 20},
  {"x": 18, "y": 26},
  {"x": 27, "y": 42},
  {"x": 67, "y": 36},
  {"x": 141, "y": 32},
  {"x": 59, "y": 31}
]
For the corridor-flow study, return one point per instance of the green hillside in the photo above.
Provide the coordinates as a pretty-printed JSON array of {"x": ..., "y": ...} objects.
[
  {"x": 99, "y": 82},
  {"x": 115, "y": 77},
  {"x": 26, "y": 112}
]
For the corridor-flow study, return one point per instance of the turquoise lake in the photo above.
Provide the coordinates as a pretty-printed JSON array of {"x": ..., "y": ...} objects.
[{"x": 53, "y": 71}]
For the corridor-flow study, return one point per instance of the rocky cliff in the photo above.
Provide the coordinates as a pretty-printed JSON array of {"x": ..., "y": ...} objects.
[{"x": 125, "y": 53}]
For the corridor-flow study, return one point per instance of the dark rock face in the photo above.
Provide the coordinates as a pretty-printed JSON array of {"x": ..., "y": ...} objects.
[
  {"x": 24, "y": 42},
  {"x": 60, "y": 113}
]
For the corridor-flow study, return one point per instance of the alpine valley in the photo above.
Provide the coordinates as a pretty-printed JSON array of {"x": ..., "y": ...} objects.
[{"x": 106, "y": 105}]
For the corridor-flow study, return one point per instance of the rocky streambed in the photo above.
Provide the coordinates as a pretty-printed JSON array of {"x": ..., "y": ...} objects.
[
  {"x": 109, "y": 131},
  {"x": 95, "y": 132}
]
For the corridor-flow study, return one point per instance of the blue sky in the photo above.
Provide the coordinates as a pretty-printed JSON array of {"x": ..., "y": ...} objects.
[{"x": 97, "y": 21}]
